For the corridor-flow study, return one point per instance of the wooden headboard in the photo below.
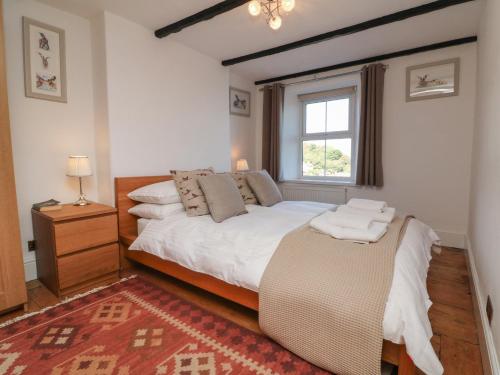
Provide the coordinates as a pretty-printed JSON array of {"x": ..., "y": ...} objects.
[{"x": 127, "y": 223}]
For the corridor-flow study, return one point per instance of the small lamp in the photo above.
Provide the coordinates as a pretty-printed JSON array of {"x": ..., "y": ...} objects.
[
  {"x": 79, "y": 166},
  {"x": 242, "y": 165}
]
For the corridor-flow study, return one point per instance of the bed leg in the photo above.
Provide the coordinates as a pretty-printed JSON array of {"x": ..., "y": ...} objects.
[
  {"x": 125, "y": 264},
  {"x": 406, "y": 365}
]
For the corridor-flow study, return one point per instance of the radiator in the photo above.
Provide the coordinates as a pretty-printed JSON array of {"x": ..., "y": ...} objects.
[{"x": 316, "y": 193}]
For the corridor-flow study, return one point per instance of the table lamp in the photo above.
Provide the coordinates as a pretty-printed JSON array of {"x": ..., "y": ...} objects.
[
  {"x": 79, "y": 166},
  {"x": 242, "y": 165}
]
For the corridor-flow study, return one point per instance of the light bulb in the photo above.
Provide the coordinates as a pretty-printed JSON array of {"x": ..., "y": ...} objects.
[
  {"x": 275, "y": 22},
  {"x": 288, "y": 5},
  {"x": 254, "y": 8}
]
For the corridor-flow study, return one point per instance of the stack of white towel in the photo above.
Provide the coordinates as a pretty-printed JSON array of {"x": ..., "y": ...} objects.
[{"x": 360, "y": 220}]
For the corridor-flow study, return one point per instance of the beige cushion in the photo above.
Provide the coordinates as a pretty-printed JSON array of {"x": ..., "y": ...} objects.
[
  {"x": 245, "y": 191},
  {"x": 223, "y": 197},
  {"x": 191, "y": 195},
  {"x": 264, "y": 188}
]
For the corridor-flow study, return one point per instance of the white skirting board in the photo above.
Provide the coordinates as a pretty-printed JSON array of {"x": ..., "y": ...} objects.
[{"x": 488, "y": 335}]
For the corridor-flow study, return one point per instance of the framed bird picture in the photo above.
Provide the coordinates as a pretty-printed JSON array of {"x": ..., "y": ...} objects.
[
  {"x": 239, "y": 102},
  {"x": 44, "y": 61},
  {"x": 433, "y": 80}
]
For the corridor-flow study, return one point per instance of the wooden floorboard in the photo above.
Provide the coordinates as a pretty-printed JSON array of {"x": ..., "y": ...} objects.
[
  {"x": 452, "y": 314},
  {"x": 453, "y": 322},
  {"x": 441, "y": 272},
  {"x": 42, "y": 296},
  {"x": 450, "y": 294},
  {"x": 460, "y": 357},
  {"x": 455, "y": 331}
]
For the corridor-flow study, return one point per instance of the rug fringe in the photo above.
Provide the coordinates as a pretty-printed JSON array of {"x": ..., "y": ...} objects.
[{"x": 67, "y": 300}]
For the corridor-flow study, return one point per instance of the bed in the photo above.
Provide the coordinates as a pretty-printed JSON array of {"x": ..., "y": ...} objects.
[{"x": 233, "y": 286}]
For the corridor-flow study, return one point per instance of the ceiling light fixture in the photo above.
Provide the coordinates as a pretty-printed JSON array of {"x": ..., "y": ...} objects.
[{"x": 271, "y": 10}]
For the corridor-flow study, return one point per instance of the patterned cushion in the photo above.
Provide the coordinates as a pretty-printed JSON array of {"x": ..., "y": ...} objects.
[
  {"x": 245, "y": 191},
  {"x": 191, "y": 194}
]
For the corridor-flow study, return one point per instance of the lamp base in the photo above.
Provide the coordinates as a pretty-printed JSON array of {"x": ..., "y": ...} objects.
[{"x": 82, "y": 201}]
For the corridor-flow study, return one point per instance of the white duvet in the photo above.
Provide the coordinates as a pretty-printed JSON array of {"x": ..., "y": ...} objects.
[{"x": 239, "y": 249}]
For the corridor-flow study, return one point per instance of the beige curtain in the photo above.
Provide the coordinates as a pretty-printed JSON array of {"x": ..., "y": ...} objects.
[
  {"x": 271, "y": 127},
  {"x": 369, "y": 171}
]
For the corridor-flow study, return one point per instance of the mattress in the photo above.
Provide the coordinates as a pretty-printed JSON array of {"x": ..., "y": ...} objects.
[{"x": 237, "y": 251}]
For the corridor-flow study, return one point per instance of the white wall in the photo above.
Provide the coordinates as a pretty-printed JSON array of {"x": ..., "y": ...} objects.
[
  {"x": 44, "y": 133},
  {"x": 136, "y": 106},
  {"x": 167, "y": 104},
  {"x": 243, "y": 128},
  {"x": 484, "y": 220},
  {"x": 427, "y": 146},
  {"x": 101, "y": 115}
]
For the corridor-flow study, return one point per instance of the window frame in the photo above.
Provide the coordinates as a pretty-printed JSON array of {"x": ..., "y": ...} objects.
[{"x": 351, "y": 132}]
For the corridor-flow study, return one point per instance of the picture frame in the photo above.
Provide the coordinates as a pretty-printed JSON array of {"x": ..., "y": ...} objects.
[
  {"x": 239, "y": 102},
  {"x": 434, "y": 80},
  {"x": 44, "y": 61}
]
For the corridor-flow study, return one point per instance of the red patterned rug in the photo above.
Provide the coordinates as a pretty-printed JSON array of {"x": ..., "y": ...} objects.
[{"x": 135, "y": 327}]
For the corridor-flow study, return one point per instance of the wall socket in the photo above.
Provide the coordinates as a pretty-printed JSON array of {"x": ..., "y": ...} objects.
[
  {"x": 489, "y": 310},
  {"x": 32, "y": 245}
]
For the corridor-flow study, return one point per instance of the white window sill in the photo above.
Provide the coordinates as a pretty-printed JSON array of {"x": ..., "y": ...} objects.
[{"x": 320, "y": 182}]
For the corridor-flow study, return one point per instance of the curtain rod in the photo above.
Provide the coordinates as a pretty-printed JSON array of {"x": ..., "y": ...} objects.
[{"x": 315, "y": 78}]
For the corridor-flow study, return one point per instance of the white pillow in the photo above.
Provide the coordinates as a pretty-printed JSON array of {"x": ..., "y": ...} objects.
[
  {"x": 156, "y": 211},
  {"x": 159, "y": 193}
]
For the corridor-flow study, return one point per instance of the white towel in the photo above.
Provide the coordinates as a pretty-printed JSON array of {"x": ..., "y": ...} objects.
[
  {"x": 346, "y": 220},
  {"x": 372, "y": 234},
  {"x": 384, "y": 217},
  {"x": 367, "y": 204}
]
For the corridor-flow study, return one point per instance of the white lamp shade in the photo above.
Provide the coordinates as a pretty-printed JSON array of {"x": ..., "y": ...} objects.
[
  {"x": 288, "y": 5},
  {"x": 78, "y": 166},
  {"x": 242, "y": 165},
  {"x": 254, "y": 7},
  {"x": 275, "y": 22}
]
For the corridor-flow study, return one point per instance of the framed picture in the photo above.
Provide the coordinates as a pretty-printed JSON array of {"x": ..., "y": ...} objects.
[
  {"x": 239, "y": 102},
  {"x": 44, "y": 61},
  {"x": 434, "y": 80}
]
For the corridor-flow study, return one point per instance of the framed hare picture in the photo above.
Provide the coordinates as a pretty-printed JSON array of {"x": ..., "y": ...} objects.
[
  {"x": 433, "y": 80},
  {"x": 239, "y": 102},
  {"x": 44, "y": 61}
]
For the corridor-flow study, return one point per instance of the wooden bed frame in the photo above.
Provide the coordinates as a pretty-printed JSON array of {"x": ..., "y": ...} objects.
[{"x": 127, "y": 228}]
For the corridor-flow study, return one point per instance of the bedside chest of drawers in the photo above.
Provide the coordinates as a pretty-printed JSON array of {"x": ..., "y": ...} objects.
[{"x": 76, "y": 247}]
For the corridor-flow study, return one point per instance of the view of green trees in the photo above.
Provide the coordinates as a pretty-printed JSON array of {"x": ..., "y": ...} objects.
[{"x": 337, "y": 163}]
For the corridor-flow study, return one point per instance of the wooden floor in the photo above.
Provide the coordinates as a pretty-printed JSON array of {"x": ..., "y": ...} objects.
[{"x": 455, "y": 333}]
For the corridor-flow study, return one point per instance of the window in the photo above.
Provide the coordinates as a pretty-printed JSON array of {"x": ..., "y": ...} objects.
[{"x": 328, "y": 141}]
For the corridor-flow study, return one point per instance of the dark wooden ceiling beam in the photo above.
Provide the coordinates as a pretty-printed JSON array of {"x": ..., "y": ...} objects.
[
  {"x": 380, "y": 21},
  {"x": 204, "y": 15},
  {"x": 372, "y": 59}
]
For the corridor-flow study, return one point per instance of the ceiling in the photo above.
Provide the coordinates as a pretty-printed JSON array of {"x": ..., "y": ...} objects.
[{"x": 237, "y": 33}]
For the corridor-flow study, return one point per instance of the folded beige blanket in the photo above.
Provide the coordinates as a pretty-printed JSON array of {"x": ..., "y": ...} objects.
[{"x": 324, "y": 299}]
